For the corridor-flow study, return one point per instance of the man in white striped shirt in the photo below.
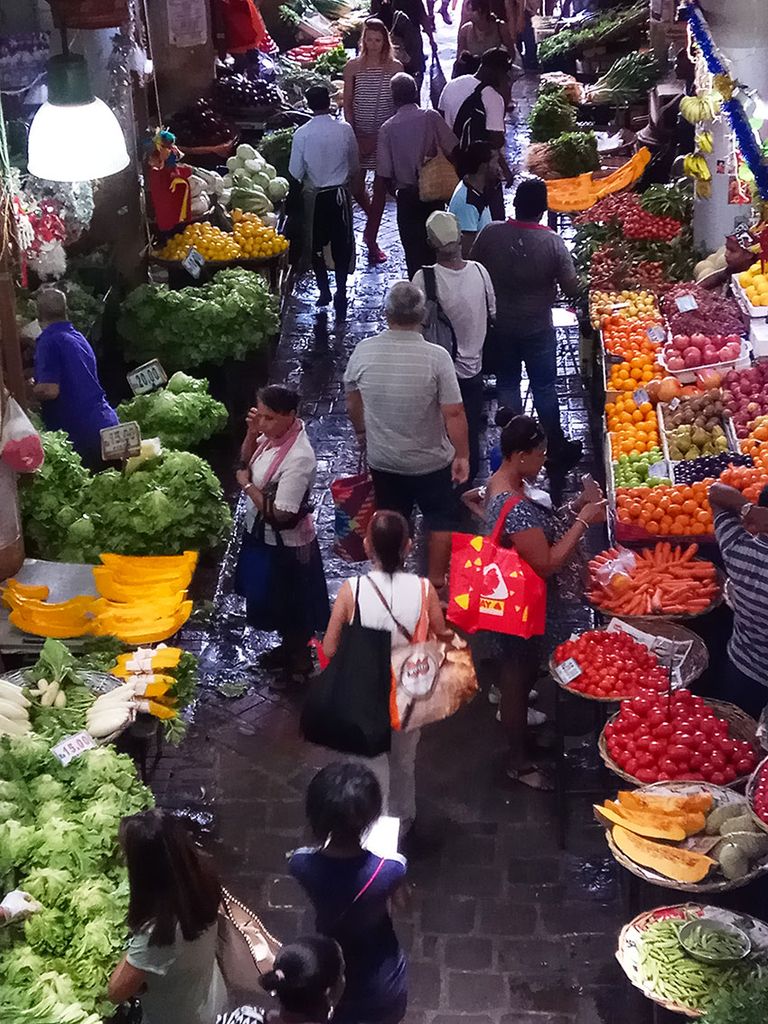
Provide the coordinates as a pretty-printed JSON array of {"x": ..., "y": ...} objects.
[{"x": 741, "y": 528}]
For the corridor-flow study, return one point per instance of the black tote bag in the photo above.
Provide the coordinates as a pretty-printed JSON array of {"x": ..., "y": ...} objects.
[{"x": 347, "y": 707}]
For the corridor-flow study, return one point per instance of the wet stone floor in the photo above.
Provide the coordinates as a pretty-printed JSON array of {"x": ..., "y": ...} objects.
[{"x": 504, "y": 926}]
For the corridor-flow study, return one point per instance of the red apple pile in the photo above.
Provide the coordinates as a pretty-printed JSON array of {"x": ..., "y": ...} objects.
[
  {"x": 745, "y": 393},
  {"x": 660, "y": 738},
  {"x": 613, "y": 665},
  {"x": 760, "y": 799},
  {"x": 691, "y": 351}
]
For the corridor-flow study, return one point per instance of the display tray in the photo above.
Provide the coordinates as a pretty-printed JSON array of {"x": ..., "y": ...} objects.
[
  {"x": 741, "y": 297},
  {"x": 688, "y": 375},
  {"x": 751, "y": 787},
  {"x": 247, "y": 264},
  {"x": 692, "y": 667},
  {"x": 676, "y": 616},
  {"x": 740, "y": 727},
  {"x": 722, "y": 796},
  {"x": 662, "y": 413},
  {"x": 631, "y": 940}
]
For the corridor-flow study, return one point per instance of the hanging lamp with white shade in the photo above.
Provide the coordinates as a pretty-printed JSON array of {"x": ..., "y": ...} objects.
[{"x": 74, "y": 136}]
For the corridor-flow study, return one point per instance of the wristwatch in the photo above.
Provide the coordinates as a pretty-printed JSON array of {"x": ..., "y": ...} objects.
[{"x": 745, "y": 509}]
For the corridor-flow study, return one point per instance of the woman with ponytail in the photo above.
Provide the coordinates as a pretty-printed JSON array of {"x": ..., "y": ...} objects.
[
  {"x": 307, "y": 980},
  {"x": 390, "y": 599}
]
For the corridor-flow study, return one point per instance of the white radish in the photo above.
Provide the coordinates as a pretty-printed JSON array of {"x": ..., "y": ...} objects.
[
  {"x": 106, "y": 724},
  {"x": 42, "y": 685},
  {"x": 49, "y": 696},
  {"x": 12, "y": 693},
  {"x": 61, "y": 700},
  {"x": 117, "y": 696},
  {"x": 15, "y": 711},
  {"x": 12, "y": 727}
]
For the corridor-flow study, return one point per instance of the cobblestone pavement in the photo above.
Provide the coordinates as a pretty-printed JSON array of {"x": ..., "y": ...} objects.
[{"x": 504, "y": 926}]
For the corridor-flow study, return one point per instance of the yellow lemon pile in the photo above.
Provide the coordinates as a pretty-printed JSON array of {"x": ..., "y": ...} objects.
[
  {"x": 256, "y": 239},
  {"x": 251, "y": 239},
  {"x": 755, "y": 284}
]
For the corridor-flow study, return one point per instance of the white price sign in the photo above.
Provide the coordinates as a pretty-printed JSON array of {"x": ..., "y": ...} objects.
[
  {"x": 657, "y": 334},
  {"x": 120, "y": 442},
  {"x": 70, "y": 747},
  {"x": 640, "y": 396},
  {"x": 569, "y": 670},
  {"x": 658, "y": 470},
  {"x": 193, "y": 262},
  {"x": 686, "y": 303},
  {"x": 147, "y": 377}
]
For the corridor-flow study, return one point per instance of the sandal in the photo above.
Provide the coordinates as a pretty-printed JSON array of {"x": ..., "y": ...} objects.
[{"x": 532, "y": 776}]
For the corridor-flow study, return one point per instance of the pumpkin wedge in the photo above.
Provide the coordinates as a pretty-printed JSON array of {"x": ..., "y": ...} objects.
[
  {"x": 684, "y": 866},
  {"x": 653, "y": 826},
  {"x": 662, "y": 802}
]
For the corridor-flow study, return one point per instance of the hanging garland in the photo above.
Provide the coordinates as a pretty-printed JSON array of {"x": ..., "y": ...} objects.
[{"x": 729, "y": 91}]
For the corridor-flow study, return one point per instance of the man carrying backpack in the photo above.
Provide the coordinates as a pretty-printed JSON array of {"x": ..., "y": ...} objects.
[
  {"x": 460, "y": 303},
  {"x": 474, "y": 108}
]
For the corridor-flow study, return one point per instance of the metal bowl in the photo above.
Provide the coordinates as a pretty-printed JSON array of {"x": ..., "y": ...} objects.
[{"x": 704, "y": 927}]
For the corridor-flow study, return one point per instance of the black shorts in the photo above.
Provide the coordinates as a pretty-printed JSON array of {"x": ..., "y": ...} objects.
[{"x": 433, "y": 493}]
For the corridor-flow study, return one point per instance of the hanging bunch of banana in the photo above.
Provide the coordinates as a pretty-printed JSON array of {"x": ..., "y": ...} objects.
[
  {"x": 695, "y": 166},
  {"x": 704, "y": 107}
]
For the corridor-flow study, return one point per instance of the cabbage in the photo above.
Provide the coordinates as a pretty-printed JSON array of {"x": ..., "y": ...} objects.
[
  {"x": 277, "y": 189},
  {"x": 182, "y": 415},
  {"x": 245, "y": 152}
]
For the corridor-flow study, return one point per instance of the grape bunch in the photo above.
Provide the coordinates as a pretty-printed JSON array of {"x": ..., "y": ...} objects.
[
  {"x": 708, "y": 466},
  {"x": 241, "y": 91}
]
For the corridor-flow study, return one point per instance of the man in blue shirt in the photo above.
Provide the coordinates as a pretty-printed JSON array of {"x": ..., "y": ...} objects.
[
  {"x": 66, "y": 380},
  {"x": 469, "y": 203}
]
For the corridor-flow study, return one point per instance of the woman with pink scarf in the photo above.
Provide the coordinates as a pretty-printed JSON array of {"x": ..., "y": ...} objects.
[{"x": 280, "y": 570}]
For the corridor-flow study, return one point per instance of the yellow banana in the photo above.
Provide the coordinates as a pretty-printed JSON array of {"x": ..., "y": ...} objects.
[
  {"x": 704, "y": 142},
  {"x": 703, "y": 189}
]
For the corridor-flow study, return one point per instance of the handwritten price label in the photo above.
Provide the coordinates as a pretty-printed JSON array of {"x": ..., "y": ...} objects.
[
  {"x": 147, "y": 377},
  {"x": 569, "y": 670},
  {"x": 656, "y": 334},
  {"x": 120, "y": 442},
  {"x": 193, "y": 262},
  {"x": 686, "y": 303},
  {"x": 70, "y": 747}
]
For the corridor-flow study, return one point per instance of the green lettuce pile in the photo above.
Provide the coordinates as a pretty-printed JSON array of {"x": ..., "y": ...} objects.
[
  {"x": 58, "y": 842},
  {"x": 168, "y": 504},
  {"x": 182, "y": 414},
  {"x": 232, "y": 315}
]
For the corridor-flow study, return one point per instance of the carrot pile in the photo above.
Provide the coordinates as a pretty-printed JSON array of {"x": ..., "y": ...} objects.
[{"x": 664, "y": 580}]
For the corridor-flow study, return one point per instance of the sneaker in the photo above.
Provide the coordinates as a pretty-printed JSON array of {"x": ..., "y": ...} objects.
[
  {"x": 494, "y": 695},
  {"x": 566, "y": 456}
]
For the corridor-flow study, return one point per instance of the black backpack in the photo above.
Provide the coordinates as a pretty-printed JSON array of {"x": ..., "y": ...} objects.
[
  {"x": 470, "y": 123},
  {"x": 437, "y": 328}
]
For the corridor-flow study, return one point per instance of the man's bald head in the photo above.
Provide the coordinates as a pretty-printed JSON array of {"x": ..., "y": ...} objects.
[{"x": 51, "y": 305}]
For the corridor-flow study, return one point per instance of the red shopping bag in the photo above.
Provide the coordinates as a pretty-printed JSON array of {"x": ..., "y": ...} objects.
[
  {"x": 355, "y": 505},
  {"x": 493, "y": 588}
]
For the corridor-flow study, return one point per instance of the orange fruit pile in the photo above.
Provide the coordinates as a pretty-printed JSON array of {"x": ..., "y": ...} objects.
[
  {"x": 629, "y": 338},
  {"x": 681, "y": 510},
  {"x": 750, "y": 480},
  {"x": 633, "y": 373},
  {"x": 634, "y": 429}
]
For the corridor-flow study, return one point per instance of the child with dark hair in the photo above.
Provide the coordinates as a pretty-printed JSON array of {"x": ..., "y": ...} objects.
[
  {"x": 394, "y": 600},
  {"x": 350, "y": 889}
]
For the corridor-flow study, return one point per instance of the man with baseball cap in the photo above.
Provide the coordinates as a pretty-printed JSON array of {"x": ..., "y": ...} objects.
[{"x": 460, "y": 293}]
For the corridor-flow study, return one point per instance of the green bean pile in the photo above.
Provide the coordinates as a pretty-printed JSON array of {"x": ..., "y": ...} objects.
[
  {"x": 714, "y": 944},
  {"x": 679, "y": 978}
]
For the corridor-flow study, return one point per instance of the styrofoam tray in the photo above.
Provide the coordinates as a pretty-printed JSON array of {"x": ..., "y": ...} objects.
[
  {"x": 726, "y": 423},
  {"x": 741, "y": 297}
]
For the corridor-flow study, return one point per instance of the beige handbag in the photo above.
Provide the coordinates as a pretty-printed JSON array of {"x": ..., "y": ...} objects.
[
  {"x": 245, "y": 948},
  {"x": 437, "y": 180}
]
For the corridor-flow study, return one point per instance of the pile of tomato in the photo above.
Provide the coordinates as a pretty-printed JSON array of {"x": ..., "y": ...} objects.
[
  {"x": 760, "y": 798},
  {"x": 658, "y": 738},
  {"x": 612, "y": 665},
  {"x": 677, "y": 510}
]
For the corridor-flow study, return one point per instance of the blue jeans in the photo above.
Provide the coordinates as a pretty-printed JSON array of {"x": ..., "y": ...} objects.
[{"x": 539, "y": 353}]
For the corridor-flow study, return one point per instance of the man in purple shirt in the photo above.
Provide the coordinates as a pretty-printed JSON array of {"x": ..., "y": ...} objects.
[
  {"x": 66, "y": 380},
  {"x": 409, "y": 138}
]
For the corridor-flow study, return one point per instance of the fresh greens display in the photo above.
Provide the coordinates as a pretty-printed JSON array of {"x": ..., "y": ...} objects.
[
  {"x": 294, "y": 81},
  {"x": 58, "y": 842},
  {"x": 744, "y": 1004},
  {"x": 551, "y": 115},
  {"x": 182, "y": 414},
  {"x": 627, "y": 78},
  {"x": 574, "y": 153},
  {"x": 275, "y": 147},
  {"x": 611, "y": 24},
  {"x": 235, "y": 313},
  {"x": 169, "y": 504},
  {"x": 672, "y": 200},
  {"x": 332, "y": 63}
]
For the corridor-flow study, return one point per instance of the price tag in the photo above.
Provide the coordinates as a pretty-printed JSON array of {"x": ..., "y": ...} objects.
[
  {"x": 120, "y": 442},
  {"x": 70, "y": 747},
  {"x": 686, "y": 303},
  {"x": 673, "y": 404},
  {"x": 147, "y": 377},
  {"x": 658, "y": 470},
  {"x": 619, "y": 305},
  {"x": 656, "y": 334},
  {"x": 640, "y": 396},
  {"x": 569, "y": 670},
  {"x": 193, "y": 262}
]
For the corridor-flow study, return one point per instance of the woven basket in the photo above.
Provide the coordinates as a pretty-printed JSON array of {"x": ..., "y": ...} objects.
[
  {"x": 740, "y": 727},
  {"x": 694, "y": 664},
  {"x": 630, "y": 940},
  {"x": 751, "y": 787},
  {"x": 722, "y": 795}
]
